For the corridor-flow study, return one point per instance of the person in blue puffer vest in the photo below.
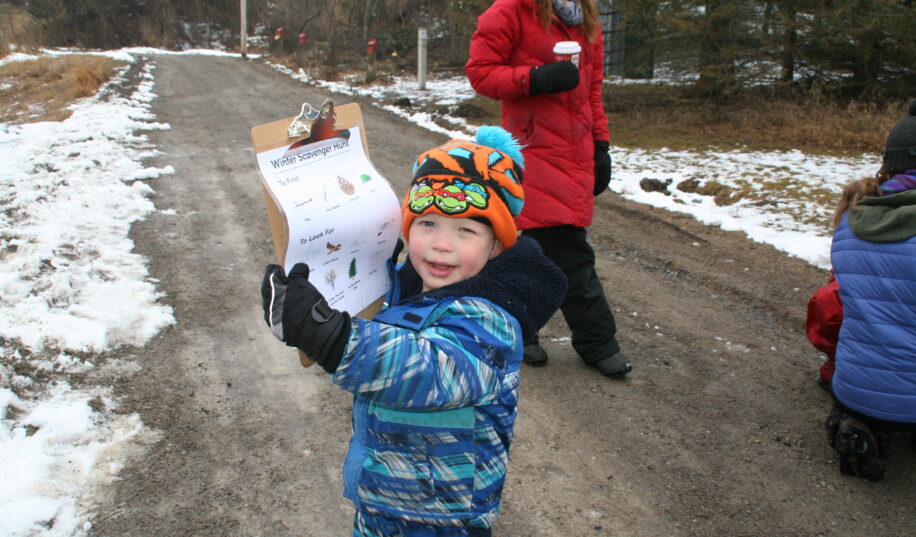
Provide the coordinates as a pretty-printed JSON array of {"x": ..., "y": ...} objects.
[
  {"x": 436, "y": 373},
  {"x": 874, "y": 261}
]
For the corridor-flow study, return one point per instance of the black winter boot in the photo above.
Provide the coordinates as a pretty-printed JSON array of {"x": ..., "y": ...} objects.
[
  {"x": 534, "y": 355},
  {"x": 859, "y": 449},
  {"x": 614, "y": 366}
]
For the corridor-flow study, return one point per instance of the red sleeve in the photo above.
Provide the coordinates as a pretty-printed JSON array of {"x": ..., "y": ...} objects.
[
  {"x": 600, "y": 129},
  {"x": 498, "y": 33},
  {"x": 825, "y": 315}
]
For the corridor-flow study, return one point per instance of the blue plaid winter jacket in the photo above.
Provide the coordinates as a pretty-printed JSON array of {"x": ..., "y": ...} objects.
[{"x": 436, "y": 378}]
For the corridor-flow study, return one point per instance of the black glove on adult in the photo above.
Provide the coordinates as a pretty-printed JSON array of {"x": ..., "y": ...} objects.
[
  {"x": 299, "y": 316},
  {"x": 602, "y": 166},
  {"x": 553, "y": 78}
]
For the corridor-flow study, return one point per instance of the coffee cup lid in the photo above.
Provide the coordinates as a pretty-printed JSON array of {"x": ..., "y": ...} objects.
[{"x": 567, "y": 47}]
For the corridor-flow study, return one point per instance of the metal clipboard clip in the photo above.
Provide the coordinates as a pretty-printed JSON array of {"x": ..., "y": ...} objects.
[{"x": 302, "y": 124}]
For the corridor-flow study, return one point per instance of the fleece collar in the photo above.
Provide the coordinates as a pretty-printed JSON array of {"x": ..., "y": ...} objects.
[
  {"x": 521, "y": 280},
  {"x": 885, "y": 218}
]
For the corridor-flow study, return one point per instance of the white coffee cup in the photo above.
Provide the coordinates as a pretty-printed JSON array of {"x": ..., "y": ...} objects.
[{"x": 567, "y": 51}]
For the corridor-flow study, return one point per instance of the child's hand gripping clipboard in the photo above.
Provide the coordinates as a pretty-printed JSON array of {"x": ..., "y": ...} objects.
[{"x": 328, "y": 206}]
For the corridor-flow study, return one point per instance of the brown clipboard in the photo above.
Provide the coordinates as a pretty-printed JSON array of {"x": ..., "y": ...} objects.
[{"x": 310, "y": 123}]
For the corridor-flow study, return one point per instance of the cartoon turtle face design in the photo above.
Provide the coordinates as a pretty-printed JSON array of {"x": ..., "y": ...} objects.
[
  {"x": 421, "y": 197},
  {"x": 451, "y": 199},
  {"x": 475, "y": 193}
]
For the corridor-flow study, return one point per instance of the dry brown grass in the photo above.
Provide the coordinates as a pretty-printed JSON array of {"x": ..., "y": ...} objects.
[
  {"x": 659, "y": 116},
  {"x": 42, "y": 89}
]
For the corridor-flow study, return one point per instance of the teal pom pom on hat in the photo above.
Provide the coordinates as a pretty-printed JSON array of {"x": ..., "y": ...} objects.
[{"x": 500, "y": 139}]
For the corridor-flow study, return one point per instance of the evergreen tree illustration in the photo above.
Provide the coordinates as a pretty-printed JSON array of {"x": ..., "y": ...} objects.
[{"x": 353, "y": 268}]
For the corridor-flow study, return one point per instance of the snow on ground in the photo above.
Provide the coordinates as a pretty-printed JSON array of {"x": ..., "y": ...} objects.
[
  {"x": 790, "y": 196},
  {"x": 73, "y": 294},
  {"x": 71, "y": 289}
]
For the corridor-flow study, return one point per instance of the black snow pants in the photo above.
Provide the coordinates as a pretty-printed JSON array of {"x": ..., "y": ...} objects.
[{"x": 585, "y": 307}]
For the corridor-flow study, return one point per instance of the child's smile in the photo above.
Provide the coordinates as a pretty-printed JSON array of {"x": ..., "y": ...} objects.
[
  {"x": 446, "y": 250},
  {"x": 439, "y": 270}
]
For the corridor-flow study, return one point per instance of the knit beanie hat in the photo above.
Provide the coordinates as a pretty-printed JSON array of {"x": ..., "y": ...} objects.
[
  {"x": 900, "y": 151},
  {"x": 464, "y": 179}
]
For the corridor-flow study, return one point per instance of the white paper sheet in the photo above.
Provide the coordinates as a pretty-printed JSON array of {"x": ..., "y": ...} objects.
[{"x": 343, "y": 216}]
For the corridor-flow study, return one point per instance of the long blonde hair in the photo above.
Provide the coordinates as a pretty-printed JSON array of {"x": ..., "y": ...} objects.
[
  {"x": 589, "y": 16},
  {"x": 855, "y": 191}
]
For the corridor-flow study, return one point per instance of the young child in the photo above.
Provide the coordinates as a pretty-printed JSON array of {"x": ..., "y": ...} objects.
[
  {"x": 822, "y": 324},
  {"x": 436, "y": 373},
  {"x": 874, "y": 262}
]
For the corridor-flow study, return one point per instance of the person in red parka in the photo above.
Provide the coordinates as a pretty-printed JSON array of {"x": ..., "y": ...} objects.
[{"x": 555, "y": 111}]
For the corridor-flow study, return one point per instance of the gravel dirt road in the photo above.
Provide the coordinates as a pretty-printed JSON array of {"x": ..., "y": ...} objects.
[{"x": 718, "y": 431}]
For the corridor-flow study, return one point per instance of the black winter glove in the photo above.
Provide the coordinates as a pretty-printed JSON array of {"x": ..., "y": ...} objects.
[
  {"x": 602, "y": 166},
  {"x": 398, "y": 246},
  {"x": 299, "y": 316},
  {"x": 553, "y": 78}
]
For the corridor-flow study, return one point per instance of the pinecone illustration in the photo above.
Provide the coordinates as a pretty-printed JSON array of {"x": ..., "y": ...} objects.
[{"x": 346, "y": 186}]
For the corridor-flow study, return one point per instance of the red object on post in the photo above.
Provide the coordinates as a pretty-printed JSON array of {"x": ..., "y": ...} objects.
[
  {"x": 301, "y": 37},
  {"x": 279, "y": 33},
  {"x": 372, "y": 46}
]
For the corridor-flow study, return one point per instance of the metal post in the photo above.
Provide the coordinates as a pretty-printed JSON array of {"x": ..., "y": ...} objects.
[
  {"x": 244, "y": 32},
  {"x": 371, "y": 48},
  {"x": 421, "y": 58}
]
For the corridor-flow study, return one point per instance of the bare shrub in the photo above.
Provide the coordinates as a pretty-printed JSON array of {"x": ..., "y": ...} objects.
[
  {"x": 154, "y": 33},
  {"x": 19, "y": 28}
]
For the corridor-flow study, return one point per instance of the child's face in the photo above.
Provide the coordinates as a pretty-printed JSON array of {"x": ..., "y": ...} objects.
[{"x": 447, "y": 250}]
